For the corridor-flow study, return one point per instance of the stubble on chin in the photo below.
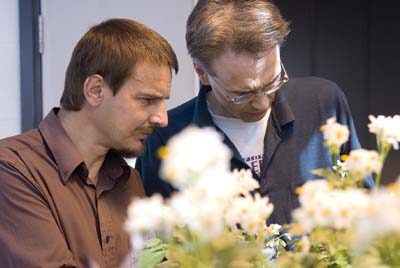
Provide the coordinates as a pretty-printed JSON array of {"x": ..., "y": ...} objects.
[
  {"x": 132, "y": 153},
  {"x": 138, "y": 150}
]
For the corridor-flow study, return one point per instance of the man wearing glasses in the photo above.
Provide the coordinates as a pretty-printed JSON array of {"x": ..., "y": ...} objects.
[{"x": 270, "y": 122}]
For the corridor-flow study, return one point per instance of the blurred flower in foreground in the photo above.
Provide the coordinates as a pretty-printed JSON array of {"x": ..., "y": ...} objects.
[
  {"x": 381, "y": 216},
  {"x": 363, "y": 162},
  {"x": 335, "y": 135},
  {"x": 323, "y": 206},
  {"x": 214, "y": 219},
  {"x": 192, "y": 152},
  {"x": 148, "y": 214},
  {"x": 387, "y": 129}
]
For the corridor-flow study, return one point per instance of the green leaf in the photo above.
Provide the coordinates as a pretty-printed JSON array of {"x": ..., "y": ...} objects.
[
  {"x": 152, "y": 243},
  {"x": 150, "y": 260},
  {"x": 153, "y": 253}
]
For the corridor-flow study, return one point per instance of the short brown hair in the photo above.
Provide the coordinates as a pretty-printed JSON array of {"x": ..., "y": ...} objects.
[
  {"x": 112, "y": 49},
  {"x": 253, "y": 26}
]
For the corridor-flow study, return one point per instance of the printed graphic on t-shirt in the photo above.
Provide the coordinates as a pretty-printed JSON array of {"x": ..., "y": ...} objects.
[{"x": 255, "y": 163}]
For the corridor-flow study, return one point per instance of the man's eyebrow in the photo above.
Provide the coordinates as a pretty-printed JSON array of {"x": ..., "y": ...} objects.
[
  {"x": 250, "y": 90},
  {"x": 154, "y": 95},
  {"x": 269, "y": 83}
]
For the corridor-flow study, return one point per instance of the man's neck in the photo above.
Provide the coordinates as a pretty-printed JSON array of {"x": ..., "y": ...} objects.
[{"x": 84, "y": 136}]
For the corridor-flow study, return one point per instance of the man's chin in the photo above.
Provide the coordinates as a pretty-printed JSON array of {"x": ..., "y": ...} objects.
[
  {"x": 253, "y": 117},
  {"x": 132, "y": 153}
]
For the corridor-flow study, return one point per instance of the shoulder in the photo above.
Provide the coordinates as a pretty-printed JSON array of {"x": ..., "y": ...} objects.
[
  {"x": 14, "y": 149},
  {"x": 313, "y": 90},
  {"x": 19, "y": 156},
  {"x": 313, "y": 85}
]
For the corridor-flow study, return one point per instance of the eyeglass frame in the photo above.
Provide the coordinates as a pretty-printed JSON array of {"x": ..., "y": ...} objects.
[{"x": 269, "y": 89}]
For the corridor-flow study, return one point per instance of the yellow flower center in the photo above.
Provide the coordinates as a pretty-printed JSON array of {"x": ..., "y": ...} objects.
[
  {"x": 162, "y": 152},
  {"x": 394, "y": 187},
  {"x": 344, "y": 213},
  {"x": 252, "y": 224},
  {"x": 170, "y": 174},
  {"x": 326, "y": 212},
  {"x": 299, "y": 190},
  {"x": 368, "y": 168},
  {"x": 310, "y": 213}
]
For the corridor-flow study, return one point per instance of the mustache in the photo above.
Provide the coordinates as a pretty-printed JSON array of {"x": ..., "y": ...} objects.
[{"x": 147, "y": 130}]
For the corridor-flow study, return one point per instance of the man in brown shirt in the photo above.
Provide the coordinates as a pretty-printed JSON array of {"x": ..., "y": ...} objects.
[{"x": 64, "y": 187}]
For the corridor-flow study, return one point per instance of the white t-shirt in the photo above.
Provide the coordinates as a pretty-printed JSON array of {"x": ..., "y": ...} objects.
[{"x": 248, "y": 137}]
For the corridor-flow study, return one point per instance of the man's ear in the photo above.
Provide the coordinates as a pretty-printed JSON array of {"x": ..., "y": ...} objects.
[
  {"x": 93, "y": 89},
  {"x": 202, "y": 74}
]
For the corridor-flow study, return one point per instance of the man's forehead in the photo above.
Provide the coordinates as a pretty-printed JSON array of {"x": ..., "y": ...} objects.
[
  {"x": 144, "y": 71},
  {"x": 232, "y": 67},
  {"x": 247, "y": 53}
]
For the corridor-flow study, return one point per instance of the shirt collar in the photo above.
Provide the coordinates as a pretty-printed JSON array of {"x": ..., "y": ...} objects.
[
  {"x": 114, "y": 169},
  {"x": 280, "y": 108},
  {"x": 65, "y": 153},
  {"x": 202, "y": 116},
  {"x": 67, "y": 156},
  {"x": 115, "y": 165}
]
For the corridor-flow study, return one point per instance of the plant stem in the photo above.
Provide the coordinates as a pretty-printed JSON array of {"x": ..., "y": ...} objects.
[
  {"x": 384, "y": 149},
  {"x": 334, "y": 159}
]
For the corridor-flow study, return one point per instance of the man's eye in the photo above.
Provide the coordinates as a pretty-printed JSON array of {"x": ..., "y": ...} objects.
[
  {"x": 146, "y": 101},
  {"x": 244, "y": 94}
]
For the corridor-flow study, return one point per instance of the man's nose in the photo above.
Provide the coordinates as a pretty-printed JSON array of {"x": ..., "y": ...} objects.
[
  {"x": 261, "y": 102},
  {"x": 159, "y": 117}
]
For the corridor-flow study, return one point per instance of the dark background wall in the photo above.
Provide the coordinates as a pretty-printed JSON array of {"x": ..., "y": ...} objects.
[{"x": 355, "y": 44}]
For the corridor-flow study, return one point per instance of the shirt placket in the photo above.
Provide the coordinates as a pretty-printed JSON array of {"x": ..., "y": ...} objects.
[{"x": 108, "y": 237}]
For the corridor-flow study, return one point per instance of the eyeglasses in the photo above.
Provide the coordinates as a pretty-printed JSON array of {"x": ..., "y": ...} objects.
[{"x": 276, "y": 83}]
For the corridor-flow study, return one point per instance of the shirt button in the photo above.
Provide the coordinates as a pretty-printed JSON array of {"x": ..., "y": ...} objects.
[{"x": 108, "y": 238}]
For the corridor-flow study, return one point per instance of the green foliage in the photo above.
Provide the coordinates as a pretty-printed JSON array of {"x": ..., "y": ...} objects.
[
  {"x": 328, "y": 248},
  {"x": 152, "y": 254},
  {"x": 188, "y": 250},
  {"x": 384, "y": 252},
  {"x": 339, "y": 178}
]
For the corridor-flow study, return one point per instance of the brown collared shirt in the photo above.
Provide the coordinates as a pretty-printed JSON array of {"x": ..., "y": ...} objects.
[{"x": 51, "y": 215}]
